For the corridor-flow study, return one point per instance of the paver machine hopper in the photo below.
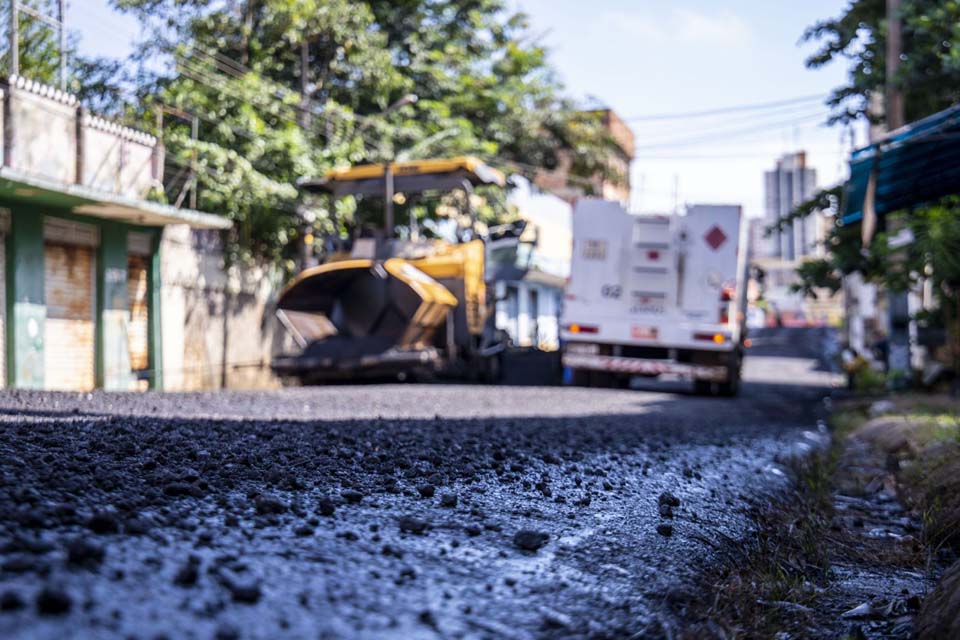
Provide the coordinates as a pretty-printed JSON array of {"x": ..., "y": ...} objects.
[{"x": 381, "y": 306}]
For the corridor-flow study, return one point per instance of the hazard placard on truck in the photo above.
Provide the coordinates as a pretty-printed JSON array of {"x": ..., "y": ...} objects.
[{"x": 654, "y": 295}]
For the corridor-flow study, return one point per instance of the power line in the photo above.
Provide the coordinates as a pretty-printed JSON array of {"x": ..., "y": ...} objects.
[
  {"x": 743, "y": 132},
  {"x": 713, "y": 121},
  {"x": 195, "y": 71},
  {"x": 206, "y": 67},
  {"x": 730, "y": 109},
  {"x": 199, "y": 72},
  {"x": 758, "y": 120},
  {"x": 725, "y": 156}
]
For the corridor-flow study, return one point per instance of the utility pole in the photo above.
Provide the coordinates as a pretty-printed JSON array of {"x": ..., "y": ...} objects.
[
  {"x": 194, "y": 158},
  {"x": 898, "y": 340},
  {"x": 894, "y": 98},
  {"x": 388, "y": 184},
  {"x": 54, "y": 23},
  {"x": 304, "y": 122},
  {"x": 676, "y": 194},
  {"x": 61, "y": 13},
  {"x": 388, "y": 216},
  {"x": 14, "y": 39}
]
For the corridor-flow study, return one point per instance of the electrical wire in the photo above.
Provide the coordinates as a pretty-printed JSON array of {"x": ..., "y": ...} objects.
[
  {"x": 233, "y": 68},
  {"x": 658, "y": 132},
  {"x": 736, "y": 133},
  {"x": 200, "y": 72},
  {"x": 724, "y": 156},
  {"x": 723, "y": 110}
]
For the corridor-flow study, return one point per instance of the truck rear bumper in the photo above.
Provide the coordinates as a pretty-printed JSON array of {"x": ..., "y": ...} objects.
[{"x": 643, "y": 366}]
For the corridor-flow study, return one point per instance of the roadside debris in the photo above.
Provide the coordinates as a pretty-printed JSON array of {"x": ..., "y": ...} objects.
[
  {"x": 530, "y": 540},
  {"x": 53, "y": 601}
]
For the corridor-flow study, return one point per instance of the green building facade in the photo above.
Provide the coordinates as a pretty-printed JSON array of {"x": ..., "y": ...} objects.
[{"x": 81, "y": 260}]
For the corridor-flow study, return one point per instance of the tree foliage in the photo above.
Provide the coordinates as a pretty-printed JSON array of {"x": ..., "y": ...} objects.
[
  {"x": 929, "y": 77},
  {"x": 929, "y": 73},
  {"x": 824, "y": 200},
  {"x": 39, "y": 51},
  {"x": 483, "y": 84}
]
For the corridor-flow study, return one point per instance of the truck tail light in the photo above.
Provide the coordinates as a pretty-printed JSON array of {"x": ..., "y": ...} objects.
[
  {"x": 582, "y": 328},
  {"x": 716, "y": 338},
  {"x": 724, "y": 316},
  {"x": 727, "y": 294}
]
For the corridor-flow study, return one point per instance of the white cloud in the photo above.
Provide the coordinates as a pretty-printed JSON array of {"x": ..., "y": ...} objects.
[{"x": 686, "y": 26}]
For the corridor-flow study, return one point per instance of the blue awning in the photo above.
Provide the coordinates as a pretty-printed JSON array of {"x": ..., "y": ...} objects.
[{"x": 913, "y": 165}]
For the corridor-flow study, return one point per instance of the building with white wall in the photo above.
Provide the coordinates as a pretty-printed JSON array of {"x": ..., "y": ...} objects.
[{"x": 529, "y": 300}]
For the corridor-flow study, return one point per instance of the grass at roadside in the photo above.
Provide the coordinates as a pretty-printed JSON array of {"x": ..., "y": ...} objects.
[
  {"x": 921, "y": 437},
  {"x": 781, "y": 579},
  {"x": 771, "y": 583}
]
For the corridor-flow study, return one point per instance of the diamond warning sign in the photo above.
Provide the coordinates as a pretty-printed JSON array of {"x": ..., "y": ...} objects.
[{"x": 715, "y": 237}]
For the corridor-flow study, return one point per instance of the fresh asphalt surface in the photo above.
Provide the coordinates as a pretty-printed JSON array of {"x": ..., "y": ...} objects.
[{"x": 387, "y": 511}]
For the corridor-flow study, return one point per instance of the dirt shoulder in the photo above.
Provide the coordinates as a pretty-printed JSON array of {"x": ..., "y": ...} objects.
[{"x": 859, "y": 545}]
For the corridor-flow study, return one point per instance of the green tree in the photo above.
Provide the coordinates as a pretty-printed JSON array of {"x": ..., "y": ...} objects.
[
  {"x": 929, "y": 74},
  {"x": 929, "y": 77},
  {"x": 39, "y": 51},
  {"x": 266, "y": 119}
]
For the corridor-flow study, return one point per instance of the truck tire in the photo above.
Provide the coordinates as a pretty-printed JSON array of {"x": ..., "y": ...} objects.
[
  {"x": 730, "y": 388},
  {"x": 703, "y": 387},
  {"x": 580, "y": 378},
  {"x": 602, "y": 380},
  {"x": 493, "y": 369}
]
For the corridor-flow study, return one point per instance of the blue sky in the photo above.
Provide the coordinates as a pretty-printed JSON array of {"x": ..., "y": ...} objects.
[
  {"x": 655, "y": 56},
  {"x": 645, "y": 57}
]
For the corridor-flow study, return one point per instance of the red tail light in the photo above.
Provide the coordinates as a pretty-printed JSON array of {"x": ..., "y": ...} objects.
[
  {"x": 582, "y": 328},
  {"x": 727, "y": 294},
  {"x": 716, "y": 338}
]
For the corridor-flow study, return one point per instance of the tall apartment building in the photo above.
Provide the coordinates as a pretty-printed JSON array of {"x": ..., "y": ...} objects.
[{"x": 790, "y": 184}]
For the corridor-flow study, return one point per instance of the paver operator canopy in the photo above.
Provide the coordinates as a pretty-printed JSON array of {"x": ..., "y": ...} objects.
[{"x": 414, "y": 176}]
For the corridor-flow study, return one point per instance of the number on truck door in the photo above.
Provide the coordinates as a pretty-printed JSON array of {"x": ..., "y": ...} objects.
[{"x": 611, "y": 291}]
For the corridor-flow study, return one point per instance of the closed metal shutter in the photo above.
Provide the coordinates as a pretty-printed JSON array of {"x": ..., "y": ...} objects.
[
  {"x": 3, "y": 311},
  {"x": 138, "y": 339},
  {"x": 69, "y": 287},
  {"x": 4, "y": 230}
]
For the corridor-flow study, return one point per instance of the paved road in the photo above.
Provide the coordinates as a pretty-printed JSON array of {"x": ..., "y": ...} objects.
[{"x": 401, "y": 511}]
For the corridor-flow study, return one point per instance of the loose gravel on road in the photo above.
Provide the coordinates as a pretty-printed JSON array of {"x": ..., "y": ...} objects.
[{"x": 404, "y": 511}]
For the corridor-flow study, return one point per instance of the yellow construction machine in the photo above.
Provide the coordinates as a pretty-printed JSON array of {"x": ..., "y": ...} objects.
[{"x": 381, "y": 306}]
